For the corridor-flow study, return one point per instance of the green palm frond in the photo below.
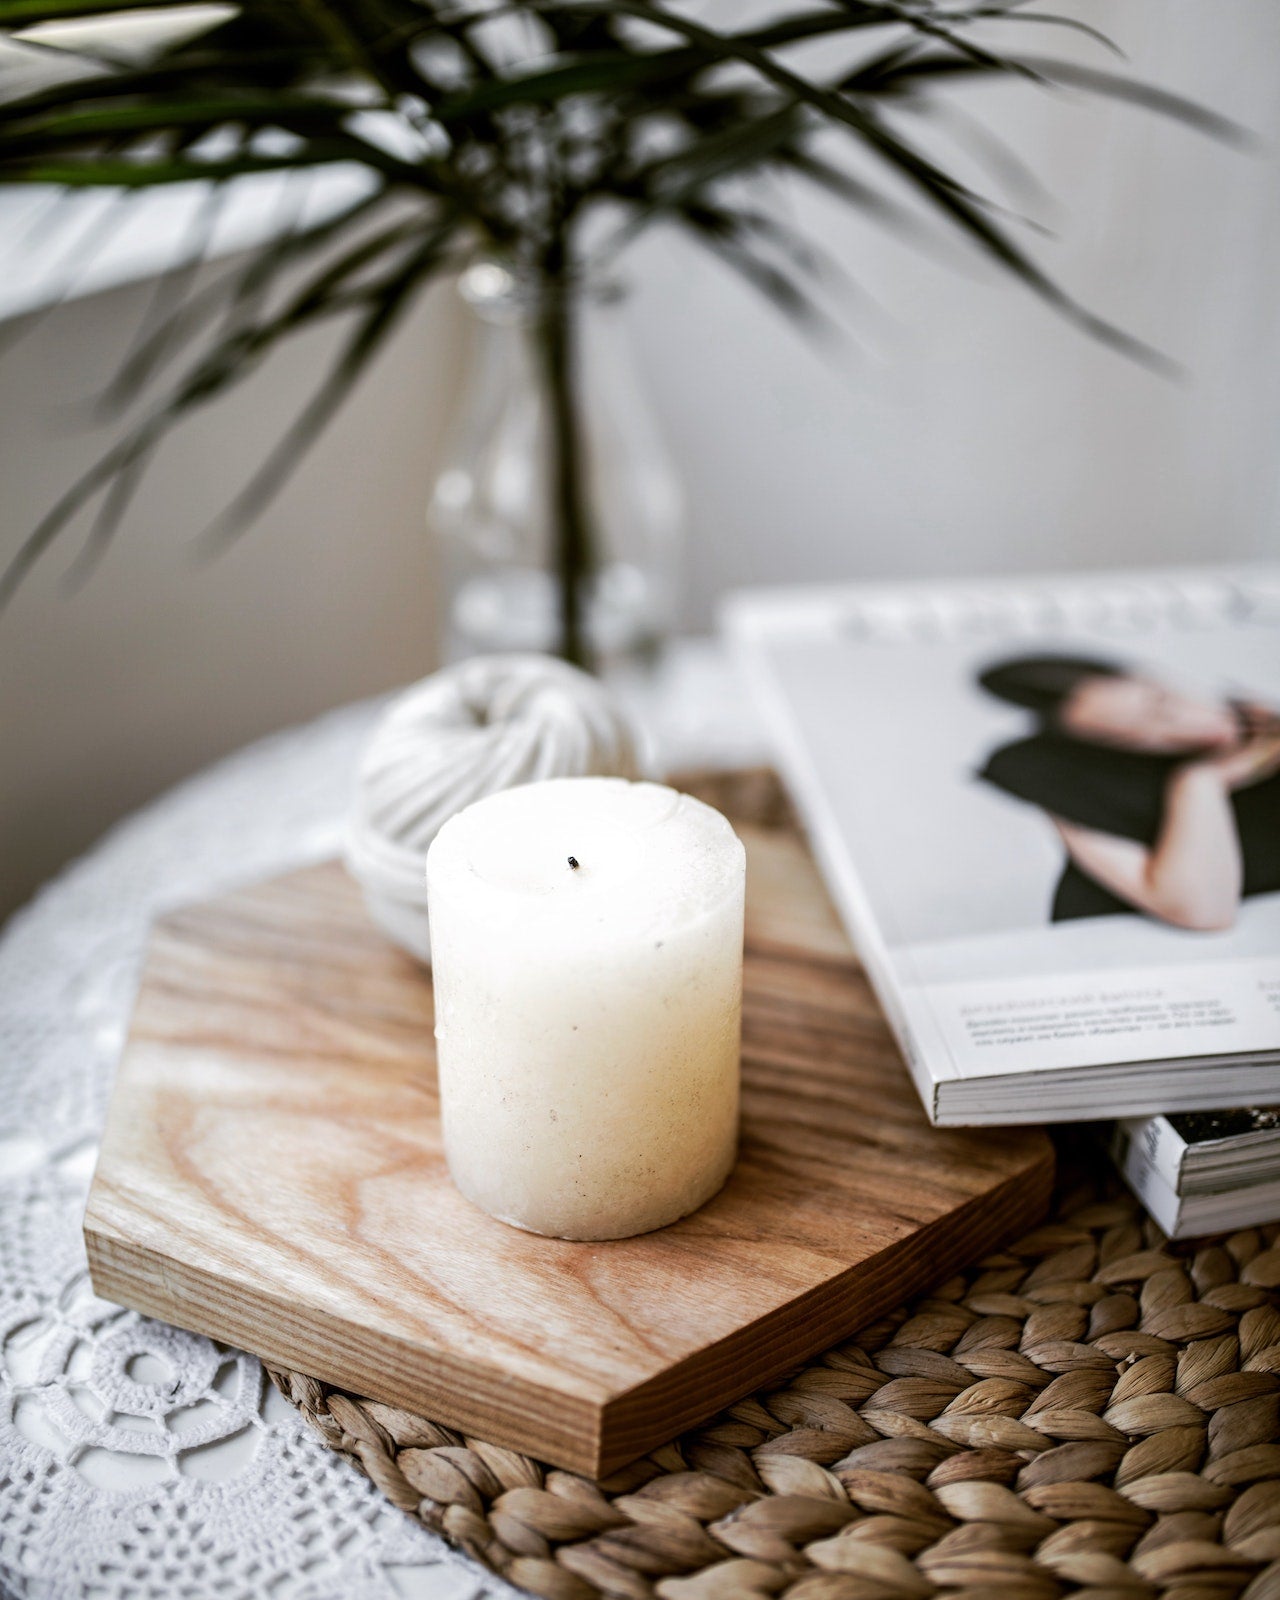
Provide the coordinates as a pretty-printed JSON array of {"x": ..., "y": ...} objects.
[{"x": 500, "y": 126}]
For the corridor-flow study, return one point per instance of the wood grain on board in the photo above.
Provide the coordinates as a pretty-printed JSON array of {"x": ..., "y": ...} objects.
[{"x": 272, "y": 1175}]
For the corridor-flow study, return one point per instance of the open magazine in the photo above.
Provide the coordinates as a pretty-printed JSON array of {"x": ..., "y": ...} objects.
[{"x": 1049, "y": 813}]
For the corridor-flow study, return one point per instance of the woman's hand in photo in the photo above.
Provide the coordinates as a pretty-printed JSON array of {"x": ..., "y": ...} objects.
[
  {"x": 1193, "y": 875},
  {"x": 1253, "y": 759},
  {"x": 1256, "y": 718}
]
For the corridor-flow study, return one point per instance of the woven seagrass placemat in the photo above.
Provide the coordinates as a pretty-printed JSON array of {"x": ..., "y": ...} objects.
[{"x": 1092, "y": 1412}]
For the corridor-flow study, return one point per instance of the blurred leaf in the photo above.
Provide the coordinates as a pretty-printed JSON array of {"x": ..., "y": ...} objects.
[
  {"x": 1095, "y": 80},
  {"x": 237, "y": 295},
  {"x": 17, "y": 14},
  {"x": 384, "y": 312}
]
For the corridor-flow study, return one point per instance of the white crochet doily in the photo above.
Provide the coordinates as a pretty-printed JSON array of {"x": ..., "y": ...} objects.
[{"x": 138, "y": 1462}]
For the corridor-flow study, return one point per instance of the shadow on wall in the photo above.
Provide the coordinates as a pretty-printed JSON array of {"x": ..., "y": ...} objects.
[
  {"x": 159, "y": 664},
  {"x": 971, "y": 431}
]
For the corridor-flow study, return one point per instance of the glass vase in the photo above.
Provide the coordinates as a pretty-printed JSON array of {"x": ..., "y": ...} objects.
[{"x": 558, "y": 514}]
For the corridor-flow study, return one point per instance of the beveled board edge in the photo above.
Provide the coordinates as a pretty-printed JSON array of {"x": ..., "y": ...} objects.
[
  {"x": 472, "y": 1397},
  {"x": 750, "y": 1358},
  {"x": 569, "y": 1430}
]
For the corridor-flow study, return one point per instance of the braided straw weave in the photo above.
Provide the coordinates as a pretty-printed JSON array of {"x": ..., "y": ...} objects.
[{"x": 1093, "y": 1412}]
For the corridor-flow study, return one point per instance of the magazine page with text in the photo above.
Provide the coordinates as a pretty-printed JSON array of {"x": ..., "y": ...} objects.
[{"x": 1050, "y": 814}]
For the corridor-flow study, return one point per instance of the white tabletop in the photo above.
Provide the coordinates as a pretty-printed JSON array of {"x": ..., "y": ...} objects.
[{"x": 139, "y": 1460}]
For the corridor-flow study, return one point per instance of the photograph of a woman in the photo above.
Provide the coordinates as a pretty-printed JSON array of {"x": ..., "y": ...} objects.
[{"x": 1167, "y": 804}]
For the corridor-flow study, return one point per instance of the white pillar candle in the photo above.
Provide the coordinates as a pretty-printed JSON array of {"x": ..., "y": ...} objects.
[{"x": 586, "y": 940}]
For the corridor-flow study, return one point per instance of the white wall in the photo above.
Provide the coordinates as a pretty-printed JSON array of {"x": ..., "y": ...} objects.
[
  {"x": 975, "y": 434},
  {"x": 157, "y": 664}
]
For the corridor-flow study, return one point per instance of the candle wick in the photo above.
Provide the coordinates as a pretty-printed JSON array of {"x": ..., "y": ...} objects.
[{"x": 573, "y": 862}]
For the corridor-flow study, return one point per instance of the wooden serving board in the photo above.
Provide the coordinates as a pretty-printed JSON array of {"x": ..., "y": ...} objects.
[{"x": 272, "y": 1175}]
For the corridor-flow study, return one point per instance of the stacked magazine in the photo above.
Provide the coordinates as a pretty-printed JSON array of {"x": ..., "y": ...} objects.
[
  {"x": 1203, "y": 1172},
  {"x": 1048, "y": 811}
]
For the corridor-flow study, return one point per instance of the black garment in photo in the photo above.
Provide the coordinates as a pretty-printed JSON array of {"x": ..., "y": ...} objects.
[{"x": 1121, "y": 792}]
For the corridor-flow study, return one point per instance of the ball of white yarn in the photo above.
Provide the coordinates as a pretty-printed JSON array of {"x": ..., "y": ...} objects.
[{"x": 489, "y": 723}]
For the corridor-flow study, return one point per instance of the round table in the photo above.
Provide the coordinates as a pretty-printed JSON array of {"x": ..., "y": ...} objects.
[{"x": 137, "y": 1460}]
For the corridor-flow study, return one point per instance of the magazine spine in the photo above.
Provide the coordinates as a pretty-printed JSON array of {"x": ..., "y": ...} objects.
[
  {"x": 1142, "y": 1176},
  {"x": 1161, "y": 1145}
]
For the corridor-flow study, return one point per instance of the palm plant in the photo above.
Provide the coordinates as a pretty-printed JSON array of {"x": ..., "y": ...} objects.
[{"x": 505, "y": 126}]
